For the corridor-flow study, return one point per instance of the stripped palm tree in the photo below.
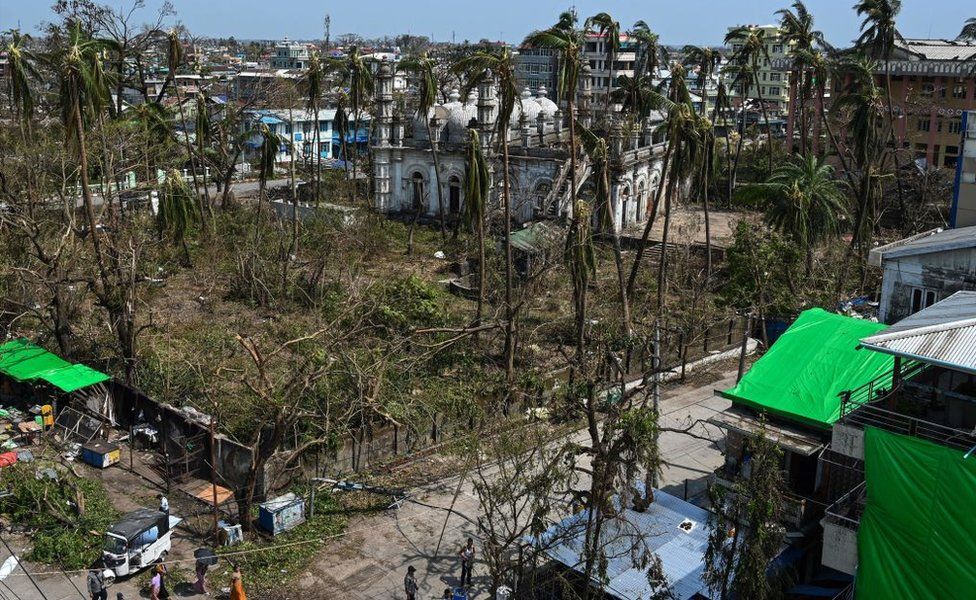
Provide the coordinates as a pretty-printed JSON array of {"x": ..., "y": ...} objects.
[
  {"x": 567, "y": 41},
  {"x": 609, "y": 30},
  {"x": 705, "y": 61},
  {"x": 357, "y": 77},
  {"x": 599, "y": 154},
  {"x": 649, "y": 50},
  {"x": 174, "y": 60},
  {"x": 422, "y": 67},
  {"x": 21, "y": 66},
  {"x": 271, "y": 145},
  {"x": 752, "y": 52},
  {"x": 801, "y": 39},
  {"x": 341, "y": 124},
  {"x": 153, "y": 122},
  {"x": 83, "y": 95},
  {"x": 477, "y": 182},
  {"x": 314, "y": 80},
  {"x": 178, "y": 212},
  {"x": 500, "y": 66},
  {"x": 203, "y": 132}
]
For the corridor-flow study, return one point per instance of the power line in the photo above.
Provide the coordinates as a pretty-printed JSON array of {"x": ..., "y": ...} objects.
[{"x": 29, "y": 576}]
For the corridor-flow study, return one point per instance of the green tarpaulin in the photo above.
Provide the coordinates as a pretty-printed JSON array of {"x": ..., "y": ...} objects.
[
  {"x": 24, "y": 361},
  {"x": 916, "y": 539},
  {"x": 803, "y": 373}
]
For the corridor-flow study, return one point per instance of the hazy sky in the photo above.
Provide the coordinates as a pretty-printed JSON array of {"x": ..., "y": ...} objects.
[{"x": 677, "y": 21}]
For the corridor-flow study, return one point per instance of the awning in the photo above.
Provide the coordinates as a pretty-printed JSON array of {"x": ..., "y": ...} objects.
[
  {"x": 23, "y": 361},
  {"x": 744, "y": 421}
]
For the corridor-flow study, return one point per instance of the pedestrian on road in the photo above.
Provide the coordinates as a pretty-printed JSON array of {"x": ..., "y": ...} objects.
[
  {"x": 410, "y": 583},
  {"x": 467, "y": 561},
  {"x": 163, "y": 504},
  {"x": 157, "y": 586},
  {"x": 448, "y": 594},
  {"x": 200, "y": 585},
  {"x": 96, "y": 583},
  {"x": 237, "y": 585}
]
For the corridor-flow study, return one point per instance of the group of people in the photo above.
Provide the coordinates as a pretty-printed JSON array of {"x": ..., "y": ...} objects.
[
  {"x": 157, "y": 585},
  {"x": 466, "y": 556}
]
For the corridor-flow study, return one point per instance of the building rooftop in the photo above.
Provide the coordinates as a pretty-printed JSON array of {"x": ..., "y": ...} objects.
[
  {"x": 937, "y": 49},
  {"x": 936, "y": 240},
  {"x": 943, "y": 334},
  {"x": 673, "y": 529}
]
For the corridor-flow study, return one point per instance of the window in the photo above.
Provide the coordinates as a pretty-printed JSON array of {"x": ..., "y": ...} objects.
[
  {"x": 928, "y": 89},
  {"x": 955, "y": 125},
  {"x": 736, "y": 47},
  {"x": 777, "y": 48},
  {"x": 959, "y": 91},
  {"x": 953, "y": 150},
  {"x": 938, "y": 124},
  {"x": 764, "y": 75},
  {"x": 774, "y": 91},
  {"x": 923, "y": 298},
  {"x": 774, "y": 76},
  {"x": 924, "y": 125}
]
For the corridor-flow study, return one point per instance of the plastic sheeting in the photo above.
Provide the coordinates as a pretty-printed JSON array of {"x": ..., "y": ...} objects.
[
  {"x": 803, "y": 373},
  {"x": 916, "y": 536},
  {"x": 24, "y": 361}
]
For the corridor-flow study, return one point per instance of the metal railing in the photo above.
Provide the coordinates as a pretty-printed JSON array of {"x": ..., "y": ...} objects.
[
  {"x": 872, "y": 415},
  {"x": 847, "y": 510},
  {"x": 880, "y": 387}
]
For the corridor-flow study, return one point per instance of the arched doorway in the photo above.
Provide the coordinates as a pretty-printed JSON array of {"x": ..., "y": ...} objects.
[
  {"x": 419, "y": 201},
  {"x": 641, "y": 202},
  {"x": 625, "y": 206},
  {"x": 454, "y": 195}
]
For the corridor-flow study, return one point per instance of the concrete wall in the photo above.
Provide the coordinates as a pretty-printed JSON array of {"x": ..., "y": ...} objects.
[
  {"x": 847, "y": 440},
  {"x": 839, "y": 547},
  {"x": 943, "y": 272}
]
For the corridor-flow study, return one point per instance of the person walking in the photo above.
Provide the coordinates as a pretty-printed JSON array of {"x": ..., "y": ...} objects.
[
  {"x": 410, "y": 583},
  {"x": 157, "y": 585},
  {"x": 237, "y": 585},
  {"x": 163, "y": 504},
  {"x": 96, "y": 583},
  {"x": 200, "y": 585},
  {"x": 467, "y": 561}
]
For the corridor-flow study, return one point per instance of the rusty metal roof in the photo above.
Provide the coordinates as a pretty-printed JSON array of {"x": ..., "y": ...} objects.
[{"x": 943, "y": 334}]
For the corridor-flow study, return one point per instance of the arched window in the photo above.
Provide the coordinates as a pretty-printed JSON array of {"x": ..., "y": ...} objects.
[
  {"x": 625, "y": 206},
  {"x": 641, "y": 202},
  {"x": 417, "y": 181},
  {"x": 454, "y": 194}
]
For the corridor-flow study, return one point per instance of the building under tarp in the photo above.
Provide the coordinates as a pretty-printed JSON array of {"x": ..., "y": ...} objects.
[
  {"x": 25, "y": 362},
  {"x": 916, "y": 535},
  {"x": 803, "y": 374}
]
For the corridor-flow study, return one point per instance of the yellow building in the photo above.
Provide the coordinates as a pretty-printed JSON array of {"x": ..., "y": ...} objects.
[{"x": 774, "y": 82}]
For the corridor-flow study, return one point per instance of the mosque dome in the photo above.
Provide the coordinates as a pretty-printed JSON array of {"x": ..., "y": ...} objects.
[
  {"x": 530, "y": 108},
  {"x": 459, "y": 115},
  {"x": 548, "y": 107}
]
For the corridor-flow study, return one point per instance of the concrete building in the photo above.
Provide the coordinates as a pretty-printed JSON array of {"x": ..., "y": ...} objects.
[
  {"x": 298, "y": 125},
  {"x": 932, "y": 83},
  {"x": 595, "y": 55},
  {"x": 963, "y": 210},
  {"x": 290, "y": 55},
  {"x": 537, "y": 68},
  {"x": 924, "y": 269},
  {"x": 774, "y": 77},
  {"x": 896, "y": 453},
  {"x": 539, "y": 165}
]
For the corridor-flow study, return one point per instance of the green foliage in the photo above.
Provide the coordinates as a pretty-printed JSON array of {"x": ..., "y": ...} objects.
[
  {"x": 66, "y": 516},
  {"x": 762, "y": 265},
  {"x": 409, "y": 302}
]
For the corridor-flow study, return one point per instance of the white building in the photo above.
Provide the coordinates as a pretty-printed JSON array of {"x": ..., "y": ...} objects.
[
  {"x": 290, "y": 55},
  {"x": 299, "y": 125}
]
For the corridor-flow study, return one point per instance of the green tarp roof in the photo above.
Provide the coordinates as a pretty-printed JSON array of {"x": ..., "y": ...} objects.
[
  {"x": 916, "y": 537},
  {"x": 816, "y": 359},
  {"x": 24, "y": 361}
]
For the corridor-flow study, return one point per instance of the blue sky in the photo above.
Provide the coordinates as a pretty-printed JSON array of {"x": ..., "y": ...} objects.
[{"x": 677, "y": 21}]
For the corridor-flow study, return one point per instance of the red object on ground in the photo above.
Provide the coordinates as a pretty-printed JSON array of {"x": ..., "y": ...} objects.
[{"x": 7, "y": 459}]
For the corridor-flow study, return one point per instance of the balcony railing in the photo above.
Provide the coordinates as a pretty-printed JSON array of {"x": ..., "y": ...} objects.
[{"x": 848, "y": 509}]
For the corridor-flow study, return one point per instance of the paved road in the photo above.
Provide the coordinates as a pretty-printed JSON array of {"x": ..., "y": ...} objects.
[{"x": 371, "y": 561}]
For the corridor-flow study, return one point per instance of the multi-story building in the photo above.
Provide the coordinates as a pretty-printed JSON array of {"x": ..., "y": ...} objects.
[
  {"x": 963, "y": 211},
  {"x": 774, "y": 78},
  {"x": 289, "y": 55},
  {"x": 298, "y": 125},
  {"x": 602, "y": 76},
  {"x": 932, "y": 83},
  {"x": 537, "y": 68}
]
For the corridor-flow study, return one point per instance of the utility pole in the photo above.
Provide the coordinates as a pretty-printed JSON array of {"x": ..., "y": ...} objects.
[
  {"x": 328, "y": 26},
  {"x": 656, "y": 387}
]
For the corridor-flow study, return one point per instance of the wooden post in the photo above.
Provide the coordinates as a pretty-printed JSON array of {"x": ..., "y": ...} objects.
[{"x": 742, "y": 349}]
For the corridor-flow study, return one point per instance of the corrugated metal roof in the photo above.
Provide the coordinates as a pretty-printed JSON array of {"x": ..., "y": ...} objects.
[
  {"x": 943, "y": 334},
  {"x": 949, "y": 239},
  {"x": 681, "y": 552},
  {"x": 934, "y": 49}
]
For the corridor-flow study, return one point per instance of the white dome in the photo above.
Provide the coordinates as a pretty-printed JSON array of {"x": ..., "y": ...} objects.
[
  {"x": 459, "y": 115},
  {"x": 530, "y": 108},
  {"x": 548, "y": 107}
]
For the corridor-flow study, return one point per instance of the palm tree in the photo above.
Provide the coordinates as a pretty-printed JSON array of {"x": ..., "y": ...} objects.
[
  {"x": 649, "y": 51},
  {"x": 705, "y": 60},
  {"x": 609, "y": 30},
  {"x": 358, "y": 78},
  {"x": 599, "y": 154},
  {"x": 800, "y": 38},
  {"x": 567, "y": 41},
  {"x": 748, "y": 60},
  {"x": 152, "y": 120},
  {"x": 22, "y": 68},
  {"x": 203, "y": 133},
  {"x": 271, "y": 144},
  {"x": 803, "y": 200},
  {"x": 422, "y": 67},
  {"x": 341, "y": 121},
  {"x": 314, "y": 80},
  {"x": 178, "y": 211},
  {"x": 500, "y": 65},
  {"x": 174, "y": 59},
  {"x": 477, "y": 188},
  {"x": 879, "y": 35},
  {"x": 83, "y": 95},
  {"x": 968, "y": 30}
]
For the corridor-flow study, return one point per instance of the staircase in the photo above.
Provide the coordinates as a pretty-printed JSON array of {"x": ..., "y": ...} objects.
[{"x": 556, "y": 203}]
